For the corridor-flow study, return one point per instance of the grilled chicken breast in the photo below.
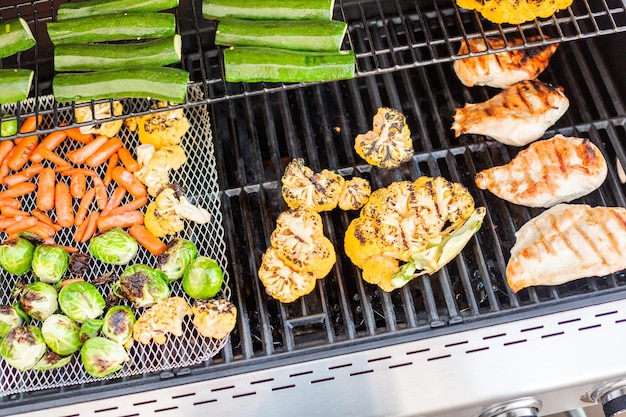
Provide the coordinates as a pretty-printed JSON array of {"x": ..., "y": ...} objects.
[
  {"x": 568, "y": 242},
  {"x": 516, "y": 116},
  {"x": 501, "y": 69},
  {"x": 548, "y": 172}
]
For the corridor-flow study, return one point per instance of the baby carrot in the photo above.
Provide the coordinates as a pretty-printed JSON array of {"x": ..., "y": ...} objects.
[
  {"x": 92, "y": 224},
  {"x": 21, "y": 225},
  {"x": 123, "y": 220},
  {"x": 72, "y": 171},
  {"x": 30, "y": 124},
  {"x": 45, "y": 189},
  {"x": 11, "y": 202},
  {"x": 147, "y": 239},
  {"x": 8, "y": 211},
  {"x": 44, "y": 218},
  {"x": 78, "y": 136},
  {"x": 129, "y": 181},
  {"x": 53, "y": 157},
  {"x": 80, "y": 155},
  {"x": 50, "y": 142},
  {"x": 18, "y": 190},
  {"x": 20, "y": 154},
  {"x": 135, "y": 204},
  {"x": 78, "y": 184},
  {"x": 128, "y": 161},
  {"x": 101, "y": 193},
  {"x": 63, "y": 204},
  {"x": 114, "y": 201},
  {"x": 83, "y": 208},
  {"x": 104, "y": 152},
  {"x": 112, "y": 164},
  {"x": 23, "y": 175},
  {"x": 6, "y": 146}
]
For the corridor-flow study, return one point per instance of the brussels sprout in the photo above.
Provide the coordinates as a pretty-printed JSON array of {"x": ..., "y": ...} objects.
[
  {"x": 10, "y": 319},
  {"x": 177, "y": 257},
  {"x": 118, "y": 324},
  {"x": 203, "y": 279},
  {"x": 142, "y": 285},
  {"x": 101, "y": 356},
  {"x": 114, "y": 246},
  {"x": 90, "y": 328},
  {"x": 61, "y": 334},
  {"x": 23, "y": 347},
  {"x": 16, "y": 256},
  {"x": 81, "y": 301},
  {"x": 50, "y": 263},
  {"x": 51, "y": 360},
  {"x": 39, "y": 300}
]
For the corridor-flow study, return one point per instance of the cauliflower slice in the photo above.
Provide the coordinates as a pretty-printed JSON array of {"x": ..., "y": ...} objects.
[
  {"x": 214, "y": 318},
  {"x": 281, "y": 282},
  {"x": 354, "y": 194},
  {"x": 164, "y": 216},
  {"x": 160, "y": 129},
  {"x": 303, "y": 187},
  {"x": 156, "y": 173},
  {"x": 102, "y": 111},
  {"x": 389, "y": 142},
  {"x": 166, "y": 316}
]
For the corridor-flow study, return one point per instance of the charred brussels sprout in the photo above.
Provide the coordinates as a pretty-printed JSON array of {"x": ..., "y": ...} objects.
[
  {"x": 23, "y": 347},
  {"x": 39, "y": 300},
  {"x": 81, "y": 301},
  {"x": 16, "y": 256},
  {"x": 101, "y": 356},
  {"x": 90, "y": 328},
  {"x": 50, "y": 263},
  {"x": 203, "y": 279},
  {"x": 61, "y": 334},
  {"x": 177, "y": 257},
  {"x": 51, "y": 360},
  {"x": 118, "y": 324},
  {"x": 114, "y": 246},
  {"x": 142, "y": 285},
  {"x": 10, "y": 318}
]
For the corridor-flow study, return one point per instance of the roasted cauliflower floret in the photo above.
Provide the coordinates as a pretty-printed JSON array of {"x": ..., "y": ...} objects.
[
  {"x": 156, "y": 173},
  {"x": 160, "y": 129},
  {"x": 101, "y": 111},
  {"x": 281, "y": 282},
  {"x": 214, "y": 318},
  {"x": 164, "y": 216},
  {"x": 166, "y": 316},
  {"x": 303, "y": 187},
  {"x": 354, "y": 194},
  {"x": 389, "y": 142}
]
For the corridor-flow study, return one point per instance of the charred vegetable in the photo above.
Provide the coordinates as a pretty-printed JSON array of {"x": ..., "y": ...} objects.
[
  {"x": 90, "y": 328},
  {"x": 165, "y": 317},
  {"x": 118, "y": 324},
  {"x": 10, "y": 318},
  {"x": 23, "y": 347},
  {"x": 51, "y": 360},
  {"x": 354, "y": 194},
  {"x": 50, "y": 263},
  {"x": 177, "y": 257},
  {"x": 142, "y": 285},
  {"x": 61, "y": 334},
  {"x": 114, "y": 246},
  {"x": 214, "y": 318},
  {"x": 304, "y": 187},
  {"x": 101, "y": 356},
  {"x": 16, "y": 256},
  {"x": 162, "y": 128},
  {"x": 203, "y": 279},
  {"x": 81, "y": 301},
  {"x": 39, "y": 300},
  {"x": 79, "y": 263}
]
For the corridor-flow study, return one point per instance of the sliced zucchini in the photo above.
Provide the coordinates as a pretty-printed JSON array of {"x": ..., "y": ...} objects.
[
  {"x": 15, "y": 36},
  {"x": 101, "y": 7},
  {"x": 160, "y": 83},
  {"x": 268, "y": 9},
  {"x": 298, "y": 35},
  {"x": 278, "y": 65},
  {"x": 104, "y": 56},
  {"x": 113, "y": 27},
  {"x": 15, "y": 84}
]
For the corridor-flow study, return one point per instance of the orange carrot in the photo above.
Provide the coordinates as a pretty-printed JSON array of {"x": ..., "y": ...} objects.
[
  {"x": 70, "y": 249},
  {"x": 45, "y": 192},
  {"x": 78, "y": 136},
  {"x": 78, "y": 184},
  {"x": 80, "y": 155},
  {"x": 44, "y": 218},
  {"x": 147, "y": 239},
  {"x": 128, "y": 161},
  {"x": 11, "y": 202},
  {"x": 30, "y": 124},
  {"x": 114, "y": 201},
  {"x": 92, "y": 224},
  {"x": 104, "y": 152},
  {"x": 20, "y": 154},
  {"x": 18, "y": 190},
  {"x": 101, "y": 193},
  {"x": 132, "y": 205},
  {"x": 63, "y": 205},
  {"x": 23, "y": 175},
  {"x": 112, "y": 164},
  {"x": 80, "y": 231},
  {"x": 4, "y": 169},
  {"x": 83, "y": 208},
  {"x": 6, "y": 146},
  {"x": 129, "y": 181},
  {"x": 42, "y": 230},
  {"x": 8, "y": 221},
  {"x": 53, "y": 157},
  {"x": 70, "y": 280},
  {"x": 8, "y": 211},
  {"x": 21, "y": 225},
  {"x": 50, "y": 142},
  {"x": 123, "y": 220},
  {"x": 85, "y": 171}
]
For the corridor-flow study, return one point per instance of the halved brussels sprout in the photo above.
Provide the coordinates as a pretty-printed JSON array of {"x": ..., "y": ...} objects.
[
  {"x": 114, "y": 246},
  {"x": 101, "y": 356},
  {"x": 177, "y": 257},
  {"x": 50, "y": 263},
  {"x": 61, "y": 334},
  {"x": 81, "y": 301},
  {"x": 10, "y": 319},
  {"x": 51, "y": 360},
  {"x": 16, "y": 256},
  {"x": 118, "y": 324},
  {"x": 23, "y": 347},
  {"x": 142, "y": 285},
  {"x": 90, "y": 328},
  {"x": 203, "y": 279},
  {"x": 39, "y": 300}
]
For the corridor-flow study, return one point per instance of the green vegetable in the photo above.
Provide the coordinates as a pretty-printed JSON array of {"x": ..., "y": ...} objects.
[
  {"x": 118, "y": 324},
  {"x": 8, "y": 127},
  {"x": 114, "y": 246},
  {"x": 23, "y": 347},
  {"x": 15, "y": 36},
  {"x": 167, "y": 84},
  {"x": 112, "y": 27},
  {"x": 101, "y": 356},
  {"x": 90, "y": 328},
  {"x": 15, "y": 84},
  {"x": 51, "y": 360},
  {"x": 50, "y": 263},
  {"x": 203, "y": 279},
  {"x": 142, "y": 285},
  {"x": 177, "y": 257},
  {"x": 440, "y": 251},
  {"x": 268, "y": 9},
  {"x": 9, "y": 319},
  {"x": 16, "y": 256},
  {"x": 106, "y": 56},
  {"x": 299, "y": 35},
  {"x": 39, "y": 300},
  {"x": 249, "y": 64},
  {"x": 81, "y": 301},
  {"x": 61, "y": 334},
  {"x": 96, "y": 8}
]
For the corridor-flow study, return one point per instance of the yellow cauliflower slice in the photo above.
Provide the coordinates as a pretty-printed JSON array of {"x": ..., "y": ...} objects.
[
  {"x": 214, "y": 318},
  {"x": 281, "y": 282},
  {"x": 162, "y": 128},
  {"x": 514, "y": 11},
  {"x": 166, "y": 316},
  {"x": 101, "y": 111},
  {"x": 303, "y": 187}
]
